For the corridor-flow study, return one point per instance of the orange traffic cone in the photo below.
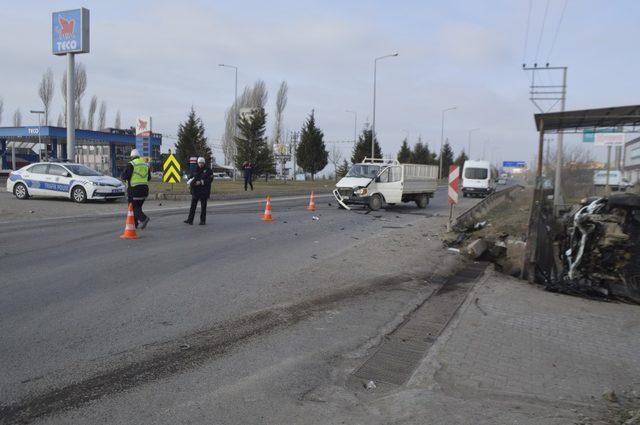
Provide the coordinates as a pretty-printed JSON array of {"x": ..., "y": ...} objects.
[
  {"x": 267, "y": 211},
  {"x": 130, "y": 225},
  {"x": 312, "y": 203}
]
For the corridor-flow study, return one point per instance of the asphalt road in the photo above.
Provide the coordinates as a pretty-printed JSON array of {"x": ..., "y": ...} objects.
[{"x": 76, "y": 300}]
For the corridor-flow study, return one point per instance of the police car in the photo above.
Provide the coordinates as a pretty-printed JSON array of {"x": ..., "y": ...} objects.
[{"x": 64, "y": 180}]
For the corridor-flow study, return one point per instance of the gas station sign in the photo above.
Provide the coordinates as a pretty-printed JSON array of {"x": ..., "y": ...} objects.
[{"x": 70, "y": 31}]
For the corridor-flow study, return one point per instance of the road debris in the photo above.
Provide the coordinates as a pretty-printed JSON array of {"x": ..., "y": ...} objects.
[
  {"x": 315, "y": 217},
  {"x": 370, "y": 385},
  {"x": 453, "y": 250},
  {"x": 610, "y": 396},
  {"x": 476, "y": 248}
]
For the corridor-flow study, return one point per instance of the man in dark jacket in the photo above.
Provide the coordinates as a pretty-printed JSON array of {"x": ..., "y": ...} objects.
[
  {"x": 248, "y": 174},
  {"x": 200, "y": 186},
  {"x": 137, "y": 174}
]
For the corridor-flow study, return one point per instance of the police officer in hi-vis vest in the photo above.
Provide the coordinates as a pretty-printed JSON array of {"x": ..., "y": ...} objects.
[{"x": 137, "y": 174}]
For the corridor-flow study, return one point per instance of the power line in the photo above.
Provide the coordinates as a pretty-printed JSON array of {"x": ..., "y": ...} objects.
[
  {"x": 544, "y": 21},
  {"x": 526, "y": 35},
  {"x": 555, "y": 36}
]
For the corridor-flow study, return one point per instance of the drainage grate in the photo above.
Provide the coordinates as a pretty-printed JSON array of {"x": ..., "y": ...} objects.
[{"x": 401, "y": 351}]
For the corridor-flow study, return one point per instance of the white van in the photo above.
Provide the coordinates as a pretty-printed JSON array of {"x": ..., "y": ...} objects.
[
  {"x": 478, "y": 178},
  {"x": 616, "y": 180}
]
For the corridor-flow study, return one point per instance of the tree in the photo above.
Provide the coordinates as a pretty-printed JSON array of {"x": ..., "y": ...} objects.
[
  {"x": 60, "y": 121},
  {"x": 335, "y": 157},
  {"x": 460, "y": 160},
  {"x": 102, "y": 115},
  {"x": 117, "y": 123},
  {"x": 251, "y": 144},
  {"x": 447, "y": 158},
  {"x": 17, "y": 118},
  {"x": 362, "y": 149},
  {"x": 80, "y": 86},
  {"x": 343, "y": 169},
  {"x": 93, "y": 104},
  {"x": 251, "y": 97},
  {"x": 312, "y": 154},
  {"x": 45, "y": 91},
  {"x": 281, "y": 103},
  {"x": 191, "y": 140},
  {"x": 421, "y": 154},
  {"x": 405, "y": 155}
]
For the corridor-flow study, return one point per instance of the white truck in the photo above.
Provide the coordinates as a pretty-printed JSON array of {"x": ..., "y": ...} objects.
[{"x": 375, "y": 182}]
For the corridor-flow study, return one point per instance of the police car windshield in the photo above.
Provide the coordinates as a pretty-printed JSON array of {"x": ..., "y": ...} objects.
[
  {"x": 360, "y": 170},
  {"x": 81, "y": 170}
]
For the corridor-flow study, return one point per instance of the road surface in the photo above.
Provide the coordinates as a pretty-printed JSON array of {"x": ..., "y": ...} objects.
[{"x": 78, "y": 303}]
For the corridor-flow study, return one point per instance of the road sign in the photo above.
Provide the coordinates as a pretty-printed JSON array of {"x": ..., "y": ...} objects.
[
  {"x": 589, "y": 135},
  {"x": 514, "y": 164},
  {"x": 454, "y": 180},
  {"x": 70, "y": 31},
  {"x": 171, "y": 170},
  {"x": 609, "y": 139}
]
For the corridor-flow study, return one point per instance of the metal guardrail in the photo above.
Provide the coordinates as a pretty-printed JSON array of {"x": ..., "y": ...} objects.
[{"x": 473, "y": 214}]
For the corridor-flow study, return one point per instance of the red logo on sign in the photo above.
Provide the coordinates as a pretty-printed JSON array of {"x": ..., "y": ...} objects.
[
  {"x": 142, "y": 125},
  {"x": 65, "y": 30}
]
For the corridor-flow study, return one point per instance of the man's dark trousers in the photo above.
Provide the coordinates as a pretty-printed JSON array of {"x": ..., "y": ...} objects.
[{"x": 203, "y": 209}]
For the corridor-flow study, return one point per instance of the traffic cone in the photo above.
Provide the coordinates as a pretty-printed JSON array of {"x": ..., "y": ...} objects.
[
  {"x": 312, "y": 203},
  {"x": 267, "y": 211},
  {"x": 130, "y": 225}
]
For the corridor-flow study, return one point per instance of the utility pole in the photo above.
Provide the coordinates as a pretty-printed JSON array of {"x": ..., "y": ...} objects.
[
  {"x": 440, "y": 173},
  {"x": 547, "y": 92},
  {"x": 235, "y": 107},
  {"x": 373, "y": 124},
  {"x": 355, "y": 126},
  {"x": 471, "y": 131}
]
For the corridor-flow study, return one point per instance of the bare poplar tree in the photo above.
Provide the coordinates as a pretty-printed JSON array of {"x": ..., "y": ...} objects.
[
  {"x": 102, "y": 115},
  {"x": 60, "y": 120},
  {"x": 79, "y": 89},
  {"x": 1, "y": 108},
  {"x": 116, "y": 123},
  {"x": 93, "y": 105},
  {"x": 281, "y": 103},
  {"x": 17, "y": 118},
  {"x": 45, "y": 91},
  {"x": 335, "y": 157},
  {"x": 80, "y": 116}
]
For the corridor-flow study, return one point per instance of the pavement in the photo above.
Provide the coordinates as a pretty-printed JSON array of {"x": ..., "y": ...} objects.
[{"x": 245, "y": 322}]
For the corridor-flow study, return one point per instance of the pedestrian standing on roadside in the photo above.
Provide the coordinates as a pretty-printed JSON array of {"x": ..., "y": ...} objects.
[
  {"x": 200, "y": 187},
  {"x": 247, "y": 167},
  {"x": 137, "y": 175}
]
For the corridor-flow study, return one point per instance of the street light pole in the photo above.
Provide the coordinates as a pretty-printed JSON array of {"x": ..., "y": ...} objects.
[
  {"x": 39, "y": 131},
  {"x": 235, "y": 106},
  {"x": 471, "y": 131},
  {"x": 442, "y": 138},
  {"x": 355, "y": 126},
  {"x": 373, "y": 123}
]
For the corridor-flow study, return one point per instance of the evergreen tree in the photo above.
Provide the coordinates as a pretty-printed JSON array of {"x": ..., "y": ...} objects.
[
  {"x": 460, "y": 160},
  {"x": 447, "y": 158},
  {"x": 362, "y": 149},
  {"x": 251, "y": 145},
  {"x": 312, "y": 154},
  {"x": 421, "y": 154},
  {"x": 405, "y": 155},
  {"x": 342, "y": 169},
  {"x": 191, "y": 141}
]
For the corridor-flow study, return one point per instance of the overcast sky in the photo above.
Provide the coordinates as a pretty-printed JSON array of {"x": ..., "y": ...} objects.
[{"x": 159, "y": 58}]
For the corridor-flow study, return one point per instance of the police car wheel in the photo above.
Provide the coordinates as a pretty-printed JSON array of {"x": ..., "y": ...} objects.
[
  {"x": 20, "y": 191},
  {"x": 79, "y": 195}
]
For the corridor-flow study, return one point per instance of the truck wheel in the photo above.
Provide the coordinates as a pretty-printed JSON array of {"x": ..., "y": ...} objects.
[
  {"x": 422, "y": 201},
  {"x": 375, "y": 202}
]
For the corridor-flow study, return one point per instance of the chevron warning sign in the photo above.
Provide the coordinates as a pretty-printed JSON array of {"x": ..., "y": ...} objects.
[
  {"x": 171, "y": 170},
  {"x": 454, "y": 179}
]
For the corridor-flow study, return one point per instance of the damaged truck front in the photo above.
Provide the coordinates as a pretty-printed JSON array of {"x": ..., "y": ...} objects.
[{"x": 375, "y": 182}]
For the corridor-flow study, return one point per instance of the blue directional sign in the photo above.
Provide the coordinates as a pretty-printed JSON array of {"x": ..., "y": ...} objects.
[
  {"x": 70, "y": 31},
  {"x": 514, "y": 164}
]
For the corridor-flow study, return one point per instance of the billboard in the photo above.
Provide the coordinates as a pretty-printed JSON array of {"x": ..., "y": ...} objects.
[
  {"x": 143, "y": 126},
  {"x": 609, "y": 139},
  {"x": 70, "y": 31},
  {"x": 589, "y": 135}
]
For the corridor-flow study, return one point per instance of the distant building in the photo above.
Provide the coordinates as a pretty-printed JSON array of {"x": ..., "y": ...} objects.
[{"x": 631, "y": 165}]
